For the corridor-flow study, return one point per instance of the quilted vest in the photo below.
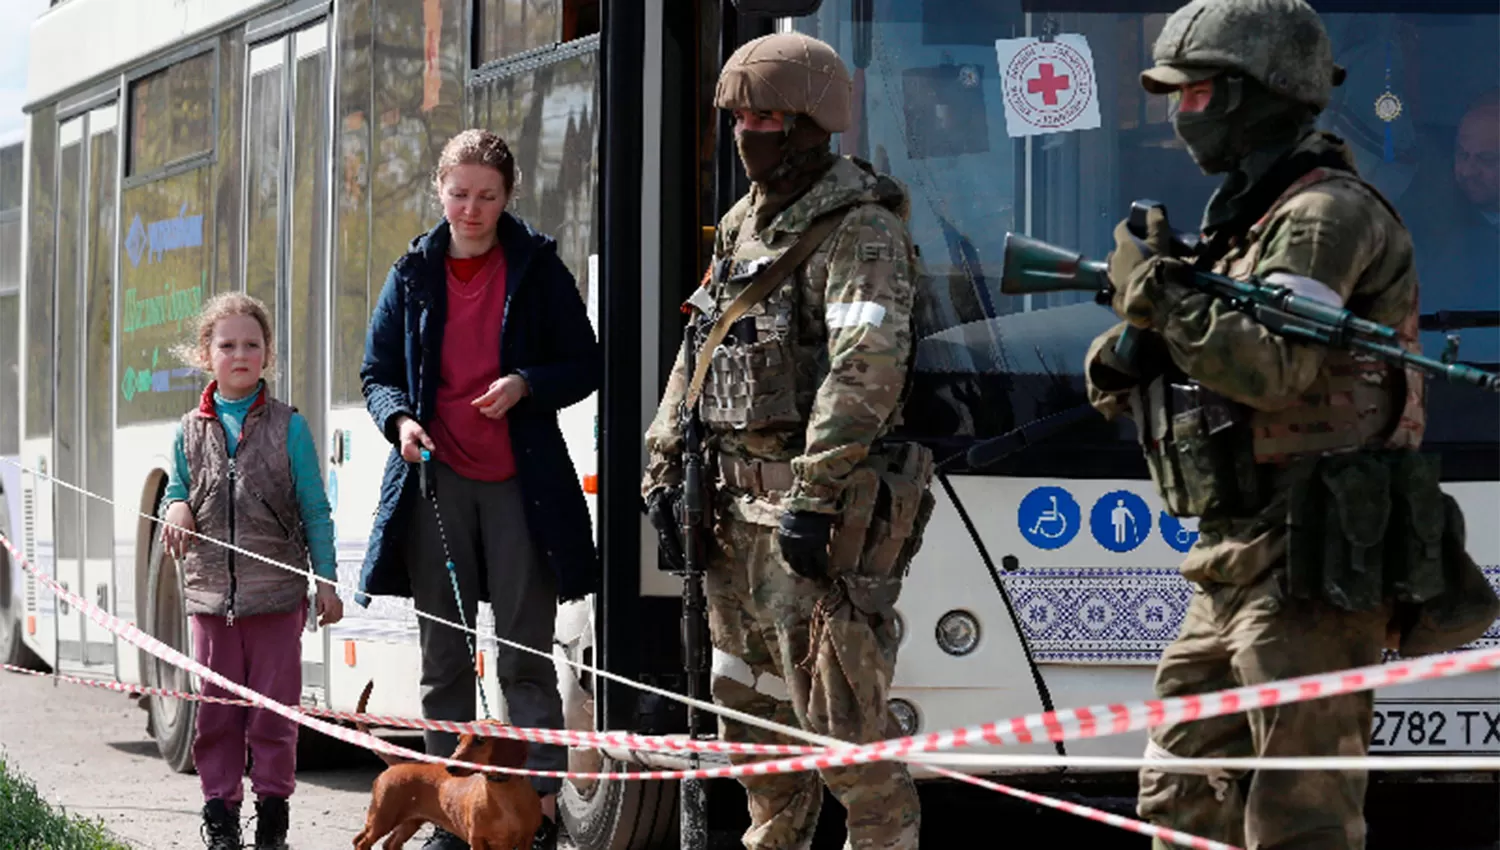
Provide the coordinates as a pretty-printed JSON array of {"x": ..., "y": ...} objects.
[{"x": 249, "y": 500}]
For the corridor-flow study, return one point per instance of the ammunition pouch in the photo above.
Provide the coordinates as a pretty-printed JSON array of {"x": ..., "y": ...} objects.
[
  {"x": 883, "y": 513},
  {"x": 1198, "y": 448},
  {"x": 1367, "y": 528},
  {"x": 752, "y": 378}
]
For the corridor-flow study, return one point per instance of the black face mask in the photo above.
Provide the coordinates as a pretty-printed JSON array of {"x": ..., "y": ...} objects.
[
  {"x": 763, "y": 152},
  {"x": 1242, "y": 116}
]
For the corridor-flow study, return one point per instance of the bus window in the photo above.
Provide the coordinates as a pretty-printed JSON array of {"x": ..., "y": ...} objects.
[
  {"x": 930, "y": 111},
  {"x": 506, "y": 27},
  {"x": 172, "y": 115},
  {"x": 11, "y": 163},
  {"x": 549, "y": 114}
]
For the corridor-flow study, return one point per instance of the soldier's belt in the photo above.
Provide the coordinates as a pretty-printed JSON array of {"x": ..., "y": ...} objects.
[{"x": 756, "y": 476}]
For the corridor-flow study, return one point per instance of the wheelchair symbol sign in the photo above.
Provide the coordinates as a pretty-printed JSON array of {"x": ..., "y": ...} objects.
[
  {"x": 1179, "y": 534},
  {"x": 1048, "y": 517}
]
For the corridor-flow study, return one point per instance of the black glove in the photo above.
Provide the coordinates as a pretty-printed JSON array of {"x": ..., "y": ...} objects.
[
  {"x": 661, "y": 508},
  {"x": 803, "y": 536}
]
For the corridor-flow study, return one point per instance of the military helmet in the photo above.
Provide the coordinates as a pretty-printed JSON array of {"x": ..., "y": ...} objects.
[
  {"x": 788, "y": 72},
  {"x": 1279, "y": 43}
]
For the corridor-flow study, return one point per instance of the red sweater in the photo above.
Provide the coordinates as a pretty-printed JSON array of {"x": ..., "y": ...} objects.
[{"x": 474, "y": 445}]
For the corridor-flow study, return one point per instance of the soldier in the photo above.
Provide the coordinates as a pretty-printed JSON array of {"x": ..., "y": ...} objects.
[
  {"x": 1320, "y": 523},
  {"x": 816, "y": 516}
]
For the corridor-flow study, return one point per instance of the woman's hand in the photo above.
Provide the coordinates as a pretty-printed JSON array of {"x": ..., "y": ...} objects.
[
  {"x": 330, "y": 607},
  {"x": 502, "y": 396},
  {"x": 413, "y": 439},
  {"x": 176, "y": 539}
]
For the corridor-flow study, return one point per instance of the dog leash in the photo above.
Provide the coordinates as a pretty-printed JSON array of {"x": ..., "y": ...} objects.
[{"x": 431, "y": 493}]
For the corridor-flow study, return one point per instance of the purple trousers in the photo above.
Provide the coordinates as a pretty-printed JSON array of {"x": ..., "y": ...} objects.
[{"x": 263, "y": 653}]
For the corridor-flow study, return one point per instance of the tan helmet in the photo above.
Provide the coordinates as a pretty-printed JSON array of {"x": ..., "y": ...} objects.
[
  {"x": 1281, "y": 44},
  {"x": 788, "y": 72}
]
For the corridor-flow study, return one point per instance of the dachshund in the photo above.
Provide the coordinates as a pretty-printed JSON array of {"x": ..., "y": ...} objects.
[{"x": 491, "y": 811}]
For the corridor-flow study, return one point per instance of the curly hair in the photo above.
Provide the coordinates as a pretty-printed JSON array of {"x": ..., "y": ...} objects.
[
  {"x": 195, "y": 352},
  {"x": 476, "y": 147}
]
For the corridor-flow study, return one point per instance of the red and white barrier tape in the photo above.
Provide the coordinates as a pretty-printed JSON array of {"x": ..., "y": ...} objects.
[
  {"x": 135, "y": 636},
  {"x": 702, "y": 705},
  {"x": 560, "y": 737},
  {"x": 933, "y": 761}
]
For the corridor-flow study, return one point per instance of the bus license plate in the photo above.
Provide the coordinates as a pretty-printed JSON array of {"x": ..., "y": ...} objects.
[{"x": 1436, "y": 727}]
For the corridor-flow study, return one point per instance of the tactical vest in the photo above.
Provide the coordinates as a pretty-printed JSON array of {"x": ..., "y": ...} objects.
[
  {"x": 1209, "y": 455},
  {"x": 765, "y": 373},
  {"x": 752, "y": 378}
]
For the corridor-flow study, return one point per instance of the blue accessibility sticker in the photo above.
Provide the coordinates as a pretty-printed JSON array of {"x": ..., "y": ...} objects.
[
  {"x": 333, "y": 489},
  {"x": 1120, "y": 521},
  {"x": 1048, "y": 517},
  {"x": 1177, "y": 533}
]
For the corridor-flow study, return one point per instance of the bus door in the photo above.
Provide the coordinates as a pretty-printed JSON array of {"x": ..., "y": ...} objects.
[
  {"x": 88, "y": 175},
  {"x": 286, "y": 223}
]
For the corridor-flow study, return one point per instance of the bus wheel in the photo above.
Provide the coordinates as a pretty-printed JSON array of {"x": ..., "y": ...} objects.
[
  {"x": 171, "y": 720},
  {"x": 619, "y": 815},
  {"x": 13, "y": 650},
  {"x": 610, "y": 814}
]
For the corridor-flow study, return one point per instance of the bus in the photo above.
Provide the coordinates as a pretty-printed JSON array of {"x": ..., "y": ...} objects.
[{"x": 178, "y": 148}]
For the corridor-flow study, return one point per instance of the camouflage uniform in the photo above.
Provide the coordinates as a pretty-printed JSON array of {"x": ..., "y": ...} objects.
[
  {"x": 796, "y": 416},
  {"x": 1292, "y": 207}
]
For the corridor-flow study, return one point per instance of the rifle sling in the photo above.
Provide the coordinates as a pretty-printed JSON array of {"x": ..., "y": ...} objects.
[{"x": 765, "y": 280}]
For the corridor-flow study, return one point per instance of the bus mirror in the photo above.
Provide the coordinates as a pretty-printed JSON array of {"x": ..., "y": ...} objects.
[{"x": 778, "y": 8}]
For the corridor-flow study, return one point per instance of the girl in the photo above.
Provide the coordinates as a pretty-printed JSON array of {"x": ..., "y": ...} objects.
[
  {"x": 478, "y": 340},
  {"x": 246, "y": 472}
]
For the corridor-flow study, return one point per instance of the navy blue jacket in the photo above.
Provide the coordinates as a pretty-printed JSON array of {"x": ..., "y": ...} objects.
[{"x": 546, "y": 338}]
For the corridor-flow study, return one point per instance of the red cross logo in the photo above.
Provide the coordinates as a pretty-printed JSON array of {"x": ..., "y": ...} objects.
[{"x": 1047, "y": 85}]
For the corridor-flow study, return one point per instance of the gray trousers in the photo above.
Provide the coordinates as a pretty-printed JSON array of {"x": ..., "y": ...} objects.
[{"x": 485, "y": 526}]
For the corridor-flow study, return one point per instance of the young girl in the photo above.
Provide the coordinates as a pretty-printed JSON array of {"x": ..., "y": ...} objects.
[{"x": 245, "y": 471}]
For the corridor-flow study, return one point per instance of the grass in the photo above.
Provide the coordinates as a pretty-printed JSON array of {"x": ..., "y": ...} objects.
[{"x": 27, "y": 822}]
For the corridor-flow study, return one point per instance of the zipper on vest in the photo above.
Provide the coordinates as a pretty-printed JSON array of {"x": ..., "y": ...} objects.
[{"x": 232, "y": 581}]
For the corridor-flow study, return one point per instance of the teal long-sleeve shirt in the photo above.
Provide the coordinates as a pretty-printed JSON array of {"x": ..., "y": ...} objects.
[{"x": 312, "y": 500}]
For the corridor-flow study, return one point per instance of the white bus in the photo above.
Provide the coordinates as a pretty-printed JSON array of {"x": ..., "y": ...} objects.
[{"x": 178, "y": 148}]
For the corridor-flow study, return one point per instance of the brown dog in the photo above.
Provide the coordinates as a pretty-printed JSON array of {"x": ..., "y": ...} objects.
[{"x": 491, "y": 811}]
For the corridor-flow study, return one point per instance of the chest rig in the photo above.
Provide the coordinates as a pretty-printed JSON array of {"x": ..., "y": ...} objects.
[
  {"x": 749, "y": 331},
  {"x": 1211, "y": 456}
]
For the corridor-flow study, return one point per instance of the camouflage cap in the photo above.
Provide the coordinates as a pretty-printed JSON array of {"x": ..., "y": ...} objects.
[
  {"x": 788, "y": 72},
  {"x": 1282, "y": 44}
]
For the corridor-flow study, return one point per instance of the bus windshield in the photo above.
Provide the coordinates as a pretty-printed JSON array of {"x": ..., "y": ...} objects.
[{"x": 1417, "y": 109}]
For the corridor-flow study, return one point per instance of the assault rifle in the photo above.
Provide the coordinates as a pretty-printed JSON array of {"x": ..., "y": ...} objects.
[
  {"x": 1033, "y": 266},
  {"x": 696, "y": 521}
]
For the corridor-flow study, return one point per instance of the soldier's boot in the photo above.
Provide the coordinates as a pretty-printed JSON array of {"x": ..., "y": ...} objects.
[
  {"x": 221, "y": 826},
  {"x": 272, "y": 819}
]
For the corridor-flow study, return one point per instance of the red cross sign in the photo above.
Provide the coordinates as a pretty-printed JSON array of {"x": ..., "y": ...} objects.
[{"x": 1047, "y": 84}]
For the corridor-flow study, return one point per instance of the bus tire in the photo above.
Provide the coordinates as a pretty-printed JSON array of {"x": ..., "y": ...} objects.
[
  {"x": 170, "y": 721},
  {"x": 620, "y": 815},
  {"x": 13, "y": 650}
]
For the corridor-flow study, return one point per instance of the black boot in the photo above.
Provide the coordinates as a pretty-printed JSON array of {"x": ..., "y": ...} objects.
[
  {"x": 546, "y": 837},
  {"x": 272, "y": 818},
  {"x": 442, "y": 839},
  {"x": 221, "y": 826}
]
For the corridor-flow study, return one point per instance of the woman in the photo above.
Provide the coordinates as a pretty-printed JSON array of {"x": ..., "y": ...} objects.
[{"x": 478, "y": 340}]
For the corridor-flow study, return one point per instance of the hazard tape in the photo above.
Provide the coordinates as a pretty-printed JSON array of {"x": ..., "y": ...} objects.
[
  {"x": 560, "y": 737},
  {"x": 131, "y": 634},
  {"x": 1071, "y": 724},
  {"x": 701, "y": 705},
  {"x": 679, "y": 745}
]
